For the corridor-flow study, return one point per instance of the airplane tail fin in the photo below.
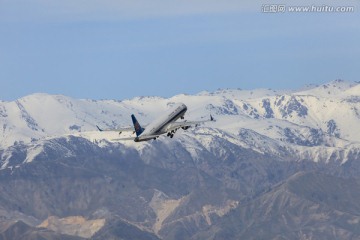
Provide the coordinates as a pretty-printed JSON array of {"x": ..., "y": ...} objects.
[{"x": 137, "y": 127}]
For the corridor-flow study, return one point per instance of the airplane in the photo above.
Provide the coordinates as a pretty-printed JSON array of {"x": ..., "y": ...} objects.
[{"x": 165, "y": 124}]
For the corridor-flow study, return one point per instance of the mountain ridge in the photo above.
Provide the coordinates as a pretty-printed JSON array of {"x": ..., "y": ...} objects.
[
  {"x": 292, "y": 114},
  {"x": 266, "y": 149}
]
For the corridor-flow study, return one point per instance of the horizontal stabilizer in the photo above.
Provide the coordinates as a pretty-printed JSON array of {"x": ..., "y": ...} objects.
[{"x": 124, "y": 129}]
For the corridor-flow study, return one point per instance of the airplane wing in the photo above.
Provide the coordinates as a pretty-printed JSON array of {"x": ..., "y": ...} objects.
[
  {"x": 187, "y": 124},
  {"x": 123, "y": 139},
  {"x": 138, "y": 139},
  {"x": 147, "y": 137}
]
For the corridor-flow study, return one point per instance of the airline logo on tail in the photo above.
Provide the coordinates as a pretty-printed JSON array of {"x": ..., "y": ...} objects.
[{"x": 138, "y": 128}]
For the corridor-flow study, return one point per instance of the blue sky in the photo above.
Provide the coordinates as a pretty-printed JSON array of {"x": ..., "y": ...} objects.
[{"x": 121, "y": 49}]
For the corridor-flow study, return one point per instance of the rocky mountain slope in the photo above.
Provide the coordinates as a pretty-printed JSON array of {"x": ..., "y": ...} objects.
[
  {"x": 275, "y": 163},
  {"x": 306, "y": 206}
]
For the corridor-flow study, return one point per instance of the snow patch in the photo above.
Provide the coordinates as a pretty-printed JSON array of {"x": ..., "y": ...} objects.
[{"x": 33, "y": 152}]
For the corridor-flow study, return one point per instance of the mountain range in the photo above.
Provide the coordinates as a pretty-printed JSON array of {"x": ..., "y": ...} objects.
[{"x": 276, "y": 164}]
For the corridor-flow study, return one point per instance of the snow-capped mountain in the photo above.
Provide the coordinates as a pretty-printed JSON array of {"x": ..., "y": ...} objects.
[
  {"x": 270, "y": 159},
  {"x": 318, "y": 124}
]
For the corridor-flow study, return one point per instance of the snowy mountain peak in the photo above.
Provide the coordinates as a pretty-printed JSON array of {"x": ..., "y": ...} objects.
[
  {"x": 240, "y": 94},
  {"x": 331, "y": 89},
  {"x": 318, "y": 122}
]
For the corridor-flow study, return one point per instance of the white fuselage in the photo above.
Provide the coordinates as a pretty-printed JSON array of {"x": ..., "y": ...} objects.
[{"x": 160, "y": 125}]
